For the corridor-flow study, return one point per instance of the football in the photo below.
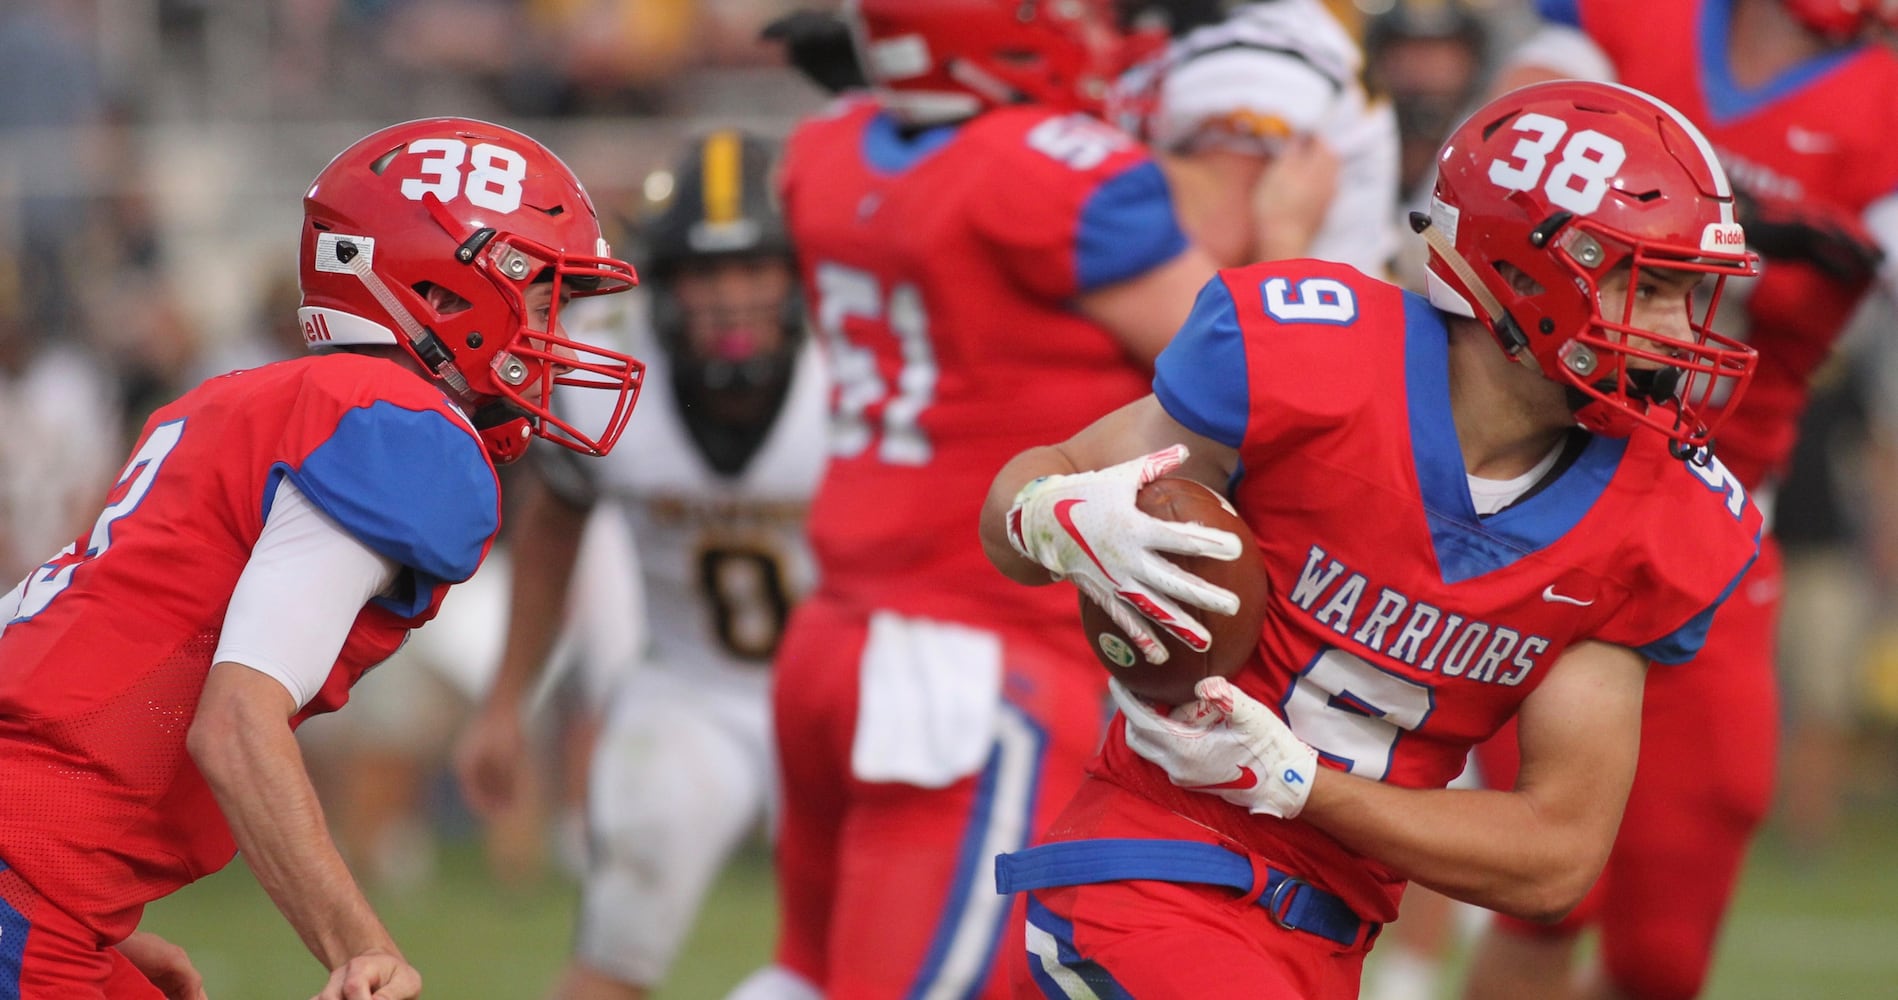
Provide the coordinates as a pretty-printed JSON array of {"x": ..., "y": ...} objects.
[{"x": 1234, "y": 637}]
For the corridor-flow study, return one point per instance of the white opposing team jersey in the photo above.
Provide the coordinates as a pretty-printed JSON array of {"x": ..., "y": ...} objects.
[
  {"x": 1270, "y": 71},
  {"x": 722, "y": 559}
]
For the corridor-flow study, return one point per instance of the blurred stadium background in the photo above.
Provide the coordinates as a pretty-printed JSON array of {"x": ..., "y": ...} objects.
[{"x": 152, "y": 158}]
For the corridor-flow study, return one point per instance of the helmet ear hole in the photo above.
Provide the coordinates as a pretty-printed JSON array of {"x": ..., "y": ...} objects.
[
  {"x": 442, "y": 299},
  {"x": 1519, "y": 280}
]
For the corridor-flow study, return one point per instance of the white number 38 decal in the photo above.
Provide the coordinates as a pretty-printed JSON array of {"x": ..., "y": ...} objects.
[
  {"x": 492, "y": 180},
  {"x": 1588, "y": 162}
]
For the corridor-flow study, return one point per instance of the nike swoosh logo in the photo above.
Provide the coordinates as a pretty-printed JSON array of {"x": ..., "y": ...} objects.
[
  {"x": 1807, "y": 141},
  {"x": 1246, "y": 779},
  {"x": 1146, "y": 607},
  {"x": 1066, "y": 520},
  {"x": 1549, "y": 594}
]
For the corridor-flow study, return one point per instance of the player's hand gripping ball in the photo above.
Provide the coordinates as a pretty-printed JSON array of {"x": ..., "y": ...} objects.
[{"x": 1234, "y": 636}]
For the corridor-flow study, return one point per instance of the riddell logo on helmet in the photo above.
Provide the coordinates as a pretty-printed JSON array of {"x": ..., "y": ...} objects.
[
  {"x": 316, "y": 329},
  {"x": 1726, "y": 237}
]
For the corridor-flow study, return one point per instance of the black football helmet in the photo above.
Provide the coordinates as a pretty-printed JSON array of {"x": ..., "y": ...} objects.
[{"x": 718, "y": 205}]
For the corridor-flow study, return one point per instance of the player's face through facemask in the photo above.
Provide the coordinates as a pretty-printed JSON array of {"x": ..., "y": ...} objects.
[
  {"x": 538, "y": 301},
  {"x": 736, "y": 340},
  {"x": 1661, "y": 301}
]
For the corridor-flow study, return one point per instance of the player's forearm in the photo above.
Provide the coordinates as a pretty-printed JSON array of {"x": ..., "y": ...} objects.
[
  {"x": 1494, "y": 849},
  {"x": 1020, "y": 470},
  {"x": 547, "y": 538},
  {"x": 1212, "y": 195},
  {"x": 249, "y": 756},
  {"x": 1142, "y": 427},
  {"x": 1213, "y": 203},
  {"x": 1229, "y": 237},
  {"x": 1292, "y": 197}
]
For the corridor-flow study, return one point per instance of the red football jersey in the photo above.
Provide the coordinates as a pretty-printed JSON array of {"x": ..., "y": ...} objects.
[
  {"x": 940, "y": 265},
  {"x": 1403, "y": 628},
  {"x": 1817, "y": 137},
  {"x": 101, "y": 807}
]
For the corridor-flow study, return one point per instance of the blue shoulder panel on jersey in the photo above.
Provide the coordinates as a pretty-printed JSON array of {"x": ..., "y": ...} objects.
[
  {"x": 1434, "y": 449},
  {"x": 1468, "y": 546},
  {"x": 1684, "y": 643},
  {"x": 1568, "y": 12},
  {"x": 1726, "y": 99},
  {"x": 1200, "y": 377},
  {"x": 410, "y": 485},
  {"x": 888, "y": 150},
  {"x": 1127, "y": 228}
]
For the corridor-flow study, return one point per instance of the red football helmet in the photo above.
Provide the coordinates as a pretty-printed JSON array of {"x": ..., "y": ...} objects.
[
  {"x": 940, "y": 60},
  {"x": 1844, "y": 20},
  {"x": 485, "y": 213},
  {"x": 1563, "y": 182}
]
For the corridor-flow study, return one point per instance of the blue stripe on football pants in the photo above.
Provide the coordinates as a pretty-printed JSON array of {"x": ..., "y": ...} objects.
[
  {"x": 1058, "y": 968},
  {"x": 14, "y": 928},
  {"x": 964, "y": 946}
]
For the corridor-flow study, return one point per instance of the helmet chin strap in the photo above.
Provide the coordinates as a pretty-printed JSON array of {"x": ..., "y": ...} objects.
[
  {"x": 975, "y": 78},
  {"x": 1657, "y": 385},
  {"x": 1485, "y": 300},
  {"x": 425, "y": 343}
]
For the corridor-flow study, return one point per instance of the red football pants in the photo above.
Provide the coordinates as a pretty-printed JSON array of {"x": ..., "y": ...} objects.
[
  {"x": 1709, "y": 740},
  {"x": 1173, "y": 941},
  {"x": 1154, "y": 940},
  {"x": 887, "y": 889},
  {"x": 47, "y": 955}
]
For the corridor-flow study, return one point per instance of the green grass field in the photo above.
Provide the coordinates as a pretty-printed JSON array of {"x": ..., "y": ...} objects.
[
  {"x": 471, "y": 940},
  {"x": 1825, "y": 928}
]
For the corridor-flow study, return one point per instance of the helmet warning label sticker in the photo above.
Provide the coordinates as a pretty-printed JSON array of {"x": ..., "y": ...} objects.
[
  {"x": 899, "y": 58},
  {"x": 326, "y": 255},
  {"x": 1445, "y": 217}
]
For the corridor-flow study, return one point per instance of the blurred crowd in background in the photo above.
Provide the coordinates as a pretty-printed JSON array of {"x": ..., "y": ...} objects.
[{"x": 152, "y": 157}]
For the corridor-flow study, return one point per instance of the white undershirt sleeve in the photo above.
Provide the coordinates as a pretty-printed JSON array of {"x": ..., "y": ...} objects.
[
  {"x": 1566, "y": 51},
  {"x": 305, "y": 583},
  {"x": 1881, "y": 220}
]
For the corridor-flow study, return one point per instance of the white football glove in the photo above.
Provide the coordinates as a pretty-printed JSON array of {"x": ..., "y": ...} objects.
[
  {"x": 1225, "y": 744},
  {"x": 1085, "y": 527}
]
